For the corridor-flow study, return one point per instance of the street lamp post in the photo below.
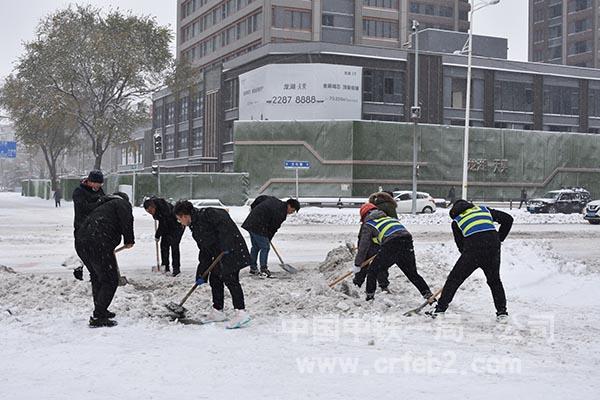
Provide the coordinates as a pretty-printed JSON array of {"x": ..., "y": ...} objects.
[
  {"x": 415, "y": 113},
  {"x": 465, "y": 173}
]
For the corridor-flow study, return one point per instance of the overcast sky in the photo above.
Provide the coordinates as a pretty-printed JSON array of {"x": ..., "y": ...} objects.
[{"x": 19, "y": 18}]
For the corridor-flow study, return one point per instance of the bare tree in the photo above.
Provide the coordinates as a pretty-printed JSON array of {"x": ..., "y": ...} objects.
[{"x": 98, "y": 67}]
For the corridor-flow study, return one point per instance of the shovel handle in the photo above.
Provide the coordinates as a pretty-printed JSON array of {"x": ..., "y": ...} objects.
[
  {"x": 366, "y": 263},
  {"x": 204, "y": 276},
  {"x": 276, "y": 252}
]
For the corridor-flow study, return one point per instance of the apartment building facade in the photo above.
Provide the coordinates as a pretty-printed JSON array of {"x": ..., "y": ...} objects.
[{"x": 565, "y": 32}]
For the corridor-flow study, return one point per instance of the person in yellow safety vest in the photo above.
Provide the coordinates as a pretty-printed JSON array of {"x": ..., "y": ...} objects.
[
  {"x": 479, "y": 244},
  {"x": 396, "y": 247}
]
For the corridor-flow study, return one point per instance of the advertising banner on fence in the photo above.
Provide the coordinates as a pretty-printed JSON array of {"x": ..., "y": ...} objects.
[{"x": 301, "y": 92}]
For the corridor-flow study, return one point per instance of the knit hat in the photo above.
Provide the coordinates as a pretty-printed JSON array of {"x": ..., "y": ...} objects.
[
  {"x": 364, "y": 210},
  {"x": 96, "y": 176}
]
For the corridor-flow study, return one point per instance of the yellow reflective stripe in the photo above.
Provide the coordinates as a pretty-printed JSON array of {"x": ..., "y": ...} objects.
[
  {"x": 469, "y": 211},
  {"x": 475, "y": 223},
  {"x": 473, "y": 215}
]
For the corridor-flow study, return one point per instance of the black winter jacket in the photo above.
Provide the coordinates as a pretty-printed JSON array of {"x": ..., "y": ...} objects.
[
  {"x": 266, "y": 216},
  {"x": 214, "y": 231},
  {"x": 85, "y": 200},
  {"x": 167, "y": 222},
  {"x": 107, "y": 224},
  {"x": 481, "y": 241}
]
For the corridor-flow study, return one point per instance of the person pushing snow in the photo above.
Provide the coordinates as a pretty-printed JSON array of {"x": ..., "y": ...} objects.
[
  {"x": 479, "y": 244},
  {"x": 396, "y": 247},
  {"x": 215, "y": 232}
]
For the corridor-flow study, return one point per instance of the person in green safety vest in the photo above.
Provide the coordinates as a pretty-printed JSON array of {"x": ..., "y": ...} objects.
[
  {"x": 479, "y": 244},
  {"x": 396, "y": 247}
]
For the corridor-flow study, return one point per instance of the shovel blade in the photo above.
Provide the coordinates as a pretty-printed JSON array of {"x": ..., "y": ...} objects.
[
  {"x": 288, "y": 268},
  {"x": 176, "y": 309}
]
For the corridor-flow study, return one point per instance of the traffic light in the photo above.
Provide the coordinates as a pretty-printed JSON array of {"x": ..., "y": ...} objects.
[
  {"x": 155, "y": 170},
  {"x": 158, "y": 145}
]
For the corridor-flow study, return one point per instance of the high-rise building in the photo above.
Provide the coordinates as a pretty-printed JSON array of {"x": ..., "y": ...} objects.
[
  {"x": 564, "y": 32},
  {"x": 210, "y": 32}
]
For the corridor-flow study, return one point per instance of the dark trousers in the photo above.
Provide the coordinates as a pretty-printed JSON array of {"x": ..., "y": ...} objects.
[
  {"x": 56, "y": 203},
  {"x": 469, "y": 261},
  {"x": 172, "y": 244},
  {"x": 260, "y": 245},
  {"x": 232, "y": 281},
  {"x": 399, "y": 251},
  {"x": 101, "y": 263}
]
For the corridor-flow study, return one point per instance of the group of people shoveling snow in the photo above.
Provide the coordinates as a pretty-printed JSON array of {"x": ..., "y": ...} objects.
[{"x": 102, "y": 221}]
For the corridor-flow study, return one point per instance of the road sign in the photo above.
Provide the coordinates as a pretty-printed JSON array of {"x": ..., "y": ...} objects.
[
  {"x": 8, "y": 149},
  {"x": 287, "y": 164}
]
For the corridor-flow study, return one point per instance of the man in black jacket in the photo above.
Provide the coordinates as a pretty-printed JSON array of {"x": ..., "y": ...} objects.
[
  {"x": 479, "y": 244},
  {"x": 95, "y": 242},
  {"x": 266, "y": 216},
  {"x": 169, "y": 231},
  {"x": 214, "y": 232},
  {"x": 86, "y": 197}
]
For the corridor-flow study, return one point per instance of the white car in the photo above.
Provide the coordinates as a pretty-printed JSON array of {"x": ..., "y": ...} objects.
[
  {"x": 204, "y": 203},
  {"x": 425, "y": 203}
]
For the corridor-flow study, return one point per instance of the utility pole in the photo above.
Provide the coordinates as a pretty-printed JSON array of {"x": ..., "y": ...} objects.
[{"x": 415, "y": 114}]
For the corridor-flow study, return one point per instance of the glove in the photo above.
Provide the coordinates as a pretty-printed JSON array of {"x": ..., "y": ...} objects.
[
  {"x": 356, "y": 269},
  {"x": 200, "y": 281},
  {"x": 78, "y": 273}
]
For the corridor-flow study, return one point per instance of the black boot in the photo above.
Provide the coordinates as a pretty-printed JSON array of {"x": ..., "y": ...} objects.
[
  {"x": 370, "y": 296},
  {"x": 264, "y": 271},
  {"x": 110, "y": 314},
  {"x": 176, "y": 271},
  {"x": 102, "y": 322}
]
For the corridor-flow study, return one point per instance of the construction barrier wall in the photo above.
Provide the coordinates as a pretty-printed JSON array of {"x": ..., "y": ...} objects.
[
  {"x": 354, "y": 158},
  {"x": 230, "y": 188}
]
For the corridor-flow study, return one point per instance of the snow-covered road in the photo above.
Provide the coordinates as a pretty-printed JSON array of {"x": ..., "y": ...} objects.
[{"x": 305, "y": 341}]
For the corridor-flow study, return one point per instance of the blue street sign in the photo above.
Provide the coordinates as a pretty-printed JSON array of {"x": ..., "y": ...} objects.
[
  {"x": 8, "y": 149},
  {"x": 287, "y": 164}
]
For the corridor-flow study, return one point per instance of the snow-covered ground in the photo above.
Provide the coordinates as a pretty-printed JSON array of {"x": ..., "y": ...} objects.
[{"x": 305, "y": 340}]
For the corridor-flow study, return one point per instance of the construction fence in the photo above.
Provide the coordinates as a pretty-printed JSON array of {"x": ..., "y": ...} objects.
[{"x": 355, "y": 158}]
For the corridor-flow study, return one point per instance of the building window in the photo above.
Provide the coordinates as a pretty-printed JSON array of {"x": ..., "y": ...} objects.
[
  {"x": 327, "y": 20},
  {"x": 459, "y": 88},
  {"x": 580, "y": 47},
  {"x": 169, "y": 142},
  {"x": 538, "y": 36},
  {"x": 513, "y": 96},
  {"x": 380, "y": 29},
  {"x": 232, "y": 94},
  {"x": 197, "y": 137},
  {"x": 124, "y": 155},
  {"x": 182, "y": 140},
  {"x": 170, "y": 114},
  {"x": 393, "y": 4},
  {"x": 579, "y": 5},
  {"x": 594, "y": 102},
  {"x": 183, "y": 109},
  {"x": 286, "y": 18},
  {"x": 554, "y": 52},
  {"x": 561, "y": 100},
  {"x": 555, "y": 11},
  {"x": 539, "y": 15},
  {"x": 555, "y": 31},
  {"x": 157, "y": 116},
  {"x": 140, "y": 153},
  {"x": 197, "y": 105},
  {"x": 383, "y": 86}
]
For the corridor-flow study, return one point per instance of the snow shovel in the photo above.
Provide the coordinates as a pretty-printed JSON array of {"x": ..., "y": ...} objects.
[
  {"x": 122, "y": 279},
  {"x": 178, "y": 309},
  {"x": 427, "y": 302},
  {"x": 365, "y": 264},
  {"x": 284, "y": 266},
  {"x": 157, "y": 268}
]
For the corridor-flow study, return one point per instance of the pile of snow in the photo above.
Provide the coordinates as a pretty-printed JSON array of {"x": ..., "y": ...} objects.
[{"x": 348, "y": 216}]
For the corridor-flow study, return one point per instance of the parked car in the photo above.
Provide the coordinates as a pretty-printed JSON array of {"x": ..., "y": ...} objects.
[
  {"x": 425, "y": 203},
  {"x": 565, "y": 201},
  {"x": 214, "y": 203},
  {"x": 592, "y": 212}
]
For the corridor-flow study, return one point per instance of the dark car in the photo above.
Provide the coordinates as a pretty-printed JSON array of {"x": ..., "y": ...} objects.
[{"x": 565, "y": 201}]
